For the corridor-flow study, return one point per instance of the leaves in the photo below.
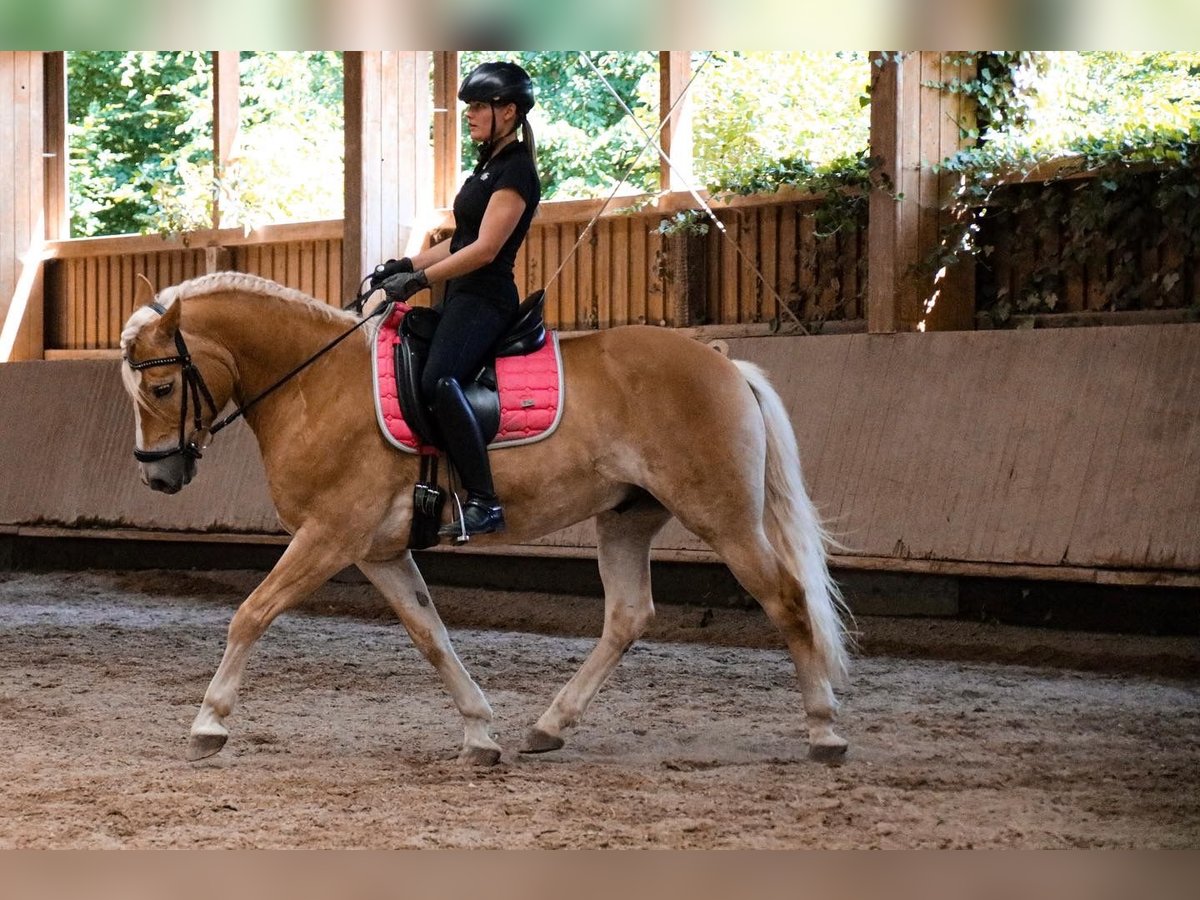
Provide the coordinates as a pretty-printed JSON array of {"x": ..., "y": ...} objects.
[
  {"x": 585, "y": 140},
  {"x": 140, "y": 139},
  {"x": 1132, "y": 123}
]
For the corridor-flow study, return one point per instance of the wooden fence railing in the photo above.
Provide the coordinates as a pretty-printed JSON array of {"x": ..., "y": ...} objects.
[
  {"x": 625, "y": 271},
  {"x": 90, "y": 282}
]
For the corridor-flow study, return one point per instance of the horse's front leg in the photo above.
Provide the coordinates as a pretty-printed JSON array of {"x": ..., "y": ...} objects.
[
  {"x": 401, "y": 583},
  {"x": 307, "y": 563}
]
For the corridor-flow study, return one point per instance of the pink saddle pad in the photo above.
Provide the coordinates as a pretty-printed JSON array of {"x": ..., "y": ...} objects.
[{"x": 531, "y": 391}]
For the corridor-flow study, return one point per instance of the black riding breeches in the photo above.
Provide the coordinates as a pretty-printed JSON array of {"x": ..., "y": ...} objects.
[{"x": 468, "y": 329}]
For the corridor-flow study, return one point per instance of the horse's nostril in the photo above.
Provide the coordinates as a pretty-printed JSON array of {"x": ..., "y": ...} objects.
[{"x": 161, "y": 484}]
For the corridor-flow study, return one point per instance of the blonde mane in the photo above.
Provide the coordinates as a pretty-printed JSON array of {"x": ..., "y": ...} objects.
[{"x": 217, "y": 282}]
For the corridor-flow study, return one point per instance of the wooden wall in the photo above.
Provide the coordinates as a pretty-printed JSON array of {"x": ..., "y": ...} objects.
[{"x": 956, "y": 452}]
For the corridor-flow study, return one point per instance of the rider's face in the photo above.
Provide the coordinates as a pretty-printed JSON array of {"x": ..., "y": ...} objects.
[{"x": 480, "y": 116}]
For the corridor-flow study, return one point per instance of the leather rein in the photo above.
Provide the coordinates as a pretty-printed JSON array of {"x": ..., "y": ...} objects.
[{"x": 194, "y": 389}]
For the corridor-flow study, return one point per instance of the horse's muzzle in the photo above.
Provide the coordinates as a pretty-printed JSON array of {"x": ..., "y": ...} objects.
[{"x": 168, "y": 476}]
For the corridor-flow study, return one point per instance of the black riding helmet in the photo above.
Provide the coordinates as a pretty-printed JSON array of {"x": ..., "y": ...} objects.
[{"x": 498, "y": 82}]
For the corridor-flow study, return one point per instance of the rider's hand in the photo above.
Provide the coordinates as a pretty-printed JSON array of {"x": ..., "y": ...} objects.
[
  {"x": 403, "y": 285},
  {"x": 386, "y": 270}
]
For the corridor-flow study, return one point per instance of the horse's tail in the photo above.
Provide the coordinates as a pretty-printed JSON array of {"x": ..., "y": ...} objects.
[{"x": 795, "y": 531}]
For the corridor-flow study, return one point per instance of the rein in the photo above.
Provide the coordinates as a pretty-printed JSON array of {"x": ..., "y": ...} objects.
[{"x": 194, "y": 388}]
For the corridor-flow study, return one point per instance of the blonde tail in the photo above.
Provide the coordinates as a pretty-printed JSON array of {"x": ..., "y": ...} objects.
[{"x": 795, "y": 529}]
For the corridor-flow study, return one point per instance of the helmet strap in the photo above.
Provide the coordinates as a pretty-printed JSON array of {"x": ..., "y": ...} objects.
[{"x": 487, "y": 148}]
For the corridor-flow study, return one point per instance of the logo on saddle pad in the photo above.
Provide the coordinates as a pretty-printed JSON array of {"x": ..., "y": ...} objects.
[{"x": 527, "y": 390}]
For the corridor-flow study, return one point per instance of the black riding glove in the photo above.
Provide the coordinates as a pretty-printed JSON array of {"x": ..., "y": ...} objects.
[
  {"x": 403, "y": 285},
  {"x": 386, "y": 270}
]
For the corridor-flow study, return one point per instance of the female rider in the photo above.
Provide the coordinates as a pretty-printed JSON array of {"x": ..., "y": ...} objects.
[{"x": 492, "y": 213}]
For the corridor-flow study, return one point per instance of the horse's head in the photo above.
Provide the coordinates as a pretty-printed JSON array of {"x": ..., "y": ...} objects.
[{"x": 177, "y": 387}]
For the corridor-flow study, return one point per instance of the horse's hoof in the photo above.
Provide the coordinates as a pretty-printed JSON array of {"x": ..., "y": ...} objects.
[
  {"x": 202, "y": 746},
  {"x": 479, "y": 756},
  {"x": 538, "y": 741},
  {"x": 831, "y": 754}
]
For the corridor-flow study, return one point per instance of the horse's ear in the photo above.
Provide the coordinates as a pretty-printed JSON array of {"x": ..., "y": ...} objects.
[
  {"x": 168, "y": 323},
  {"x": 143, "y": 291}
]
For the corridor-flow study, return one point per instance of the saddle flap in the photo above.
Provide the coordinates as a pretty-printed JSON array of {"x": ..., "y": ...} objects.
[
  {"x": 409, "y": 361},
  {"x": 420, "y": 322}
]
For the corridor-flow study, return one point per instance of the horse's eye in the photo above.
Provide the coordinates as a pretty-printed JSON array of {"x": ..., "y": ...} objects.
[{"x": 161, "y": 390}]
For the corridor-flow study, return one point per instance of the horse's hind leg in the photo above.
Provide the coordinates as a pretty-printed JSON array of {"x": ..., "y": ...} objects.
[
  {"x": 401, "y": 583},
  {"x": 624, "y": 554},
  {"x": 755, "y": 565},
  {"x": 305, "y": 565}
]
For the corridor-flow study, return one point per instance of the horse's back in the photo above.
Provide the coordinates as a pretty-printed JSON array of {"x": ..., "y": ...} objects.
[
  {"x": 657, "y": 367},
  {"x": 657, "y": 393}
]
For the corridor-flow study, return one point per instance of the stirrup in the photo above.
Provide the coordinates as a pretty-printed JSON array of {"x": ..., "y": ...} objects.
[{"x": 478, "y": 516}]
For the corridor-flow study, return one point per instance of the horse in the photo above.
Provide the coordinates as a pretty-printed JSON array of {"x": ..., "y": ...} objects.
[{"x": 655, "y": 425}]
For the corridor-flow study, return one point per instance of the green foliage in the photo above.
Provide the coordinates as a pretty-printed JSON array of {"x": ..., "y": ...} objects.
[
  {"x": 1131, "y": 121},
  {"x": 288, "y": 162},
  {"x": 140, "y": 138},
  {"x": 134, "y": 120},
  {"x": 687, "y": 221},
  {"x": 585, "y": 140},
  {"x": 765, "y": 119}
]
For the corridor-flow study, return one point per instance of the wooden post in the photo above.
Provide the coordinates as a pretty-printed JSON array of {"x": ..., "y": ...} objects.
[
  {"x": 685, "y": 279},
  {"x": 674, "y": 71},
  {"x": 58, "y": 213},
  {"x": 22, "y": 204},
  {"x": 446, "y": 127},
  {"x": 389, "y": 166},
  {"x": 226, "y": 114},
  {"x": 217, "y": 259},
  {"x": 913, "y": 126}
]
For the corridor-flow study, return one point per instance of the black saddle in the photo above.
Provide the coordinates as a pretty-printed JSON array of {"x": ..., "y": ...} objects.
[{"x": 526, "y": 334}]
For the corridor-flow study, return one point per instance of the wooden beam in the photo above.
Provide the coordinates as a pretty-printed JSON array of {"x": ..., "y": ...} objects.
[
  {"x": 446, "y": 127},
  {"x": 388, "y": 166},
  {"x": 226, "y": 114},
  {"x": 674, "y": 71},
  {"x": 22, "y": 204},
  {"x": 124, "y": 244},
  {"x": 58, "y": 213},
  {"x": 352, "y": 236},
  {"x": 913, "y": 126}
]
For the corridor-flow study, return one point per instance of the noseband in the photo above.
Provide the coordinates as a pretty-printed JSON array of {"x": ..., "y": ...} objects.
[{"x": 193, "y": 389}]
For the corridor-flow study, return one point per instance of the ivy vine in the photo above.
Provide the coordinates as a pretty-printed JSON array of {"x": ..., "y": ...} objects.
[{"x": 1118, "y": 220}]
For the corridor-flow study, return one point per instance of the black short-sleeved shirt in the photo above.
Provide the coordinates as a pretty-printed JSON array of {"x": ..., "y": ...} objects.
[{"x": 511, "y": 168}]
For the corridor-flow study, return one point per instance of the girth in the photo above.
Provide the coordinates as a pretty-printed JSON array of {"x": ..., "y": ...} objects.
[{"x": 526, "y": 334}]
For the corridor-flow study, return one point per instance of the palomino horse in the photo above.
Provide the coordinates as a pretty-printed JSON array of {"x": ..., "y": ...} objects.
[{"x": 655, "y": 425}]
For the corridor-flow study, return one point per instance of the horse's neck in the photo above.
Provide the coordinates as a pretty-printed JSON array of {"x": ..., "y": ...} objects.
[{"x": 267, "y": 337}]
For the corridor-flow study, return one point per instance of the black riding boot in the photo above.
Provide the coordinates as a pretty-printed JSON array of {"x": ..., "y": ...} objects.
[{"x": 482, "y": 513}]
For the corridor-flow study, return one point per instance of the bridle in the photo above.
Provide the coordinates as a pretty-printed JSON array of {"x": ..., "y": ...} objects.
[{"x": 194, "y": 389}]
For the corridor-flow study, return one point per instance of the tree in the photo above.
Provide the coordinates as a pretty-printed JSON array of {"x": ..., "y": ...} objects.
[
  {"x": 767, "y": 118},
  {"x": 140, "y": 133},
  {"x": 585, "y": 140},
  {"x": 134, "y": 119}
]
